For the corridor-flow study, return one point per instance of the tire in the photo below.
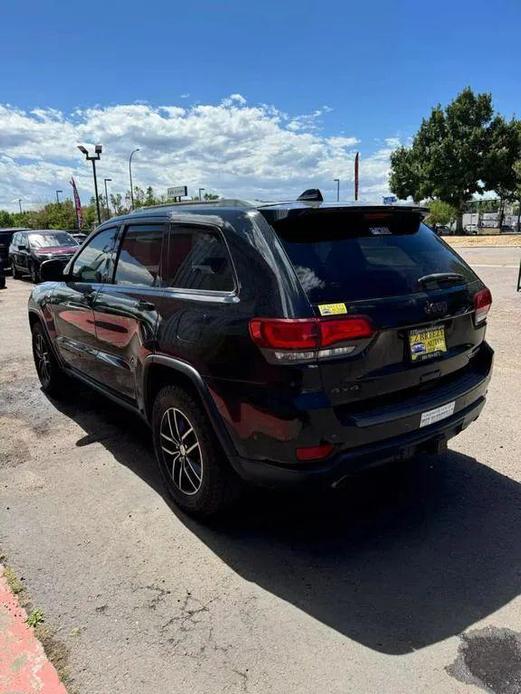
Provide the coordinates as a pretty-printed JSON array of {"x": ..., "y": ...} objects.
[
  {"x": 14, "y": 271},
  {"x": 194, "y": 469},
  {"x": 49, "y": 372},
  {"x": 35, "y": 274}
]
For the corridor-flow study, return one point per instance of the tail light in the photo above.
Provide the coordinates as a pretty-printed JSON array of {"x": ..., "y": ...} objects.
[
  {"x": 305, "y": 339},
  {"x": 314, "y": 452},
  {"x": 482, "y": 304}
]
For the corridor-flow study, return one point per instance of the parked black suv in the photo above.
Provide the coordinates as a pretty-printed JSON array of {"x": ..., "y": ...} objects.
[
  {"x": 274, "y": 343},
  {"x": 6, "y": 234},
  {"x": 29, "y": 249}
]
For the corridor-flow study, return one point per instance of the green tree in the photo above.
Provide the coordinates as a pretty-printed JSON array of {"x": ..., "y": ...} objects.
[
  {"x": 56, "y": 215},
  {"x": 24, "y": 219},
  {"x": 441, "y": 213},
  {"x": 150, "y": 197},
  {"x": 405, "y": 177},
  {"x": 139, "y": 197},
  {"x": 6, "y": 219},
  {"x": 517, "y": 172},
  {"x": 116, "y": 202},
  {"x": 457, "y": 152}
]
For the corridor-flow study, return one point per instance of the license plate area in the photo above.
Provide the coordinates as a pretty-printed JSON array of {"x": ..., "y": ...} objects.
[
  {"x": 426, "y": 343},
  {"x": 436, "y": 415}
]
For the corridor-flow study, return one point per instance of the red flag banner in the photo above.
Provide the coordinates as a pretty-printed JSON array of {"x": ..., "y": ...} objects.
[
  {"x": 357, "y": 163},
  {"x": 77, "y": 203}
]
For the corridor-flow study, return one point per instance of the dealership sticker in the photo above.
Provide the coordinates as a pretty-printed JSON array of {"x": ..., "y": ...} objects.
[{"x": 332, "y": 309}]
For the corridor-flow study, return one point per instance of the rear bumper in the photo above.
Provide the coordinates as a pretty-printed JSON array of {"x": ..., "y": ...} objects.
[
  {"x": 352, "y": 461},
  {"x": 381, "y": 434}
]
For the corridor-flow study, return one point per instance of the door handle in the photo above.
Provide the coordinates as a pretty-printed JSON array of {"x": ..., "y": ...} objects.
[
  {"x": 145, "y": 306},
  {"x": 89, "y": 298}
]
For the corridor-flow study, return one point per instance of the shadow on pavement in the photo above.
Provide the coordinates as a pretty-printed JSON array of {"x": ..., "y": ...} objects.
[{"x": 403, "y": 558}]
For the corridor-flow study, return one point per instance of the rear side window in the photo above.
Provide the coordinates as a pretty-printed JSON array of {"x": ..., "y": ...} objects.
[
  {"x": 354, "y": 255},
  {"x": 198, "y": 259},
  {"x": 92, "y": 262},
  {"x": 140, "y": 255}
]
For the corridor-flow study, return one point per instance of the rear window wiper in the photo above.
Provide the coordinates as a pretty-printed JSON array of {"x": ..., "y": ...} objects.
[{"x": 439, "y": 278}]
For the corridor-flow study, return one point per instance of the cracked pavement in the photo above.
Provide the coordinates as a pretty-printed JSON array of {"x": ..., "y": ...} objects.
[{"x": 365, "y": 590}]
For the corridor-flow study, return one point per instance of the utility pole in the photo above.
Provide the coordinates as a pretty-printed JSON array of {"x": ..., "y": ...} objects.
[
  {"x": 337, "y": 181},
  {"x": 20, "y": 203},
  {"x": 357, "y": 164}
]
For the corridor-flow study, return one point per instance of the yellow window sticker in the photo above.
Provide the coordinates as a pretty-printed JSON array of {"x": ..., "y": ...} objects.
[{"x": 332, "y": 309}]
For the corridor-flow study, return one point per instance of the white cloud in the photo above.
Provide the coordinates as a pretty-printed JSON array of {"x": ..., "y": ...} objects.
[{"x": 231, "y": 148}]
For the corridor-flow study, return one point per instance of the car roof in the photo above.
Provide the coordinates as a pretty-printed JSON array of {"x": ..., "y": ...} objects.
[
  {"x": 217, "y": 207},
  {"x": 46, "y": 231}
]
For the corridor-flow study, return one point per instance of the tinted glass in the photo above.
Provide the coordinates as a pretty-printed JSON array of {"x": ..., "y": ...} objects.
[
  {"x": 198, "y": 259},
  {"x": 357, "y": 256},
  {"x": 92, "y": 263},
  {"x": 48, "y": 240},
  {"x": 140, "y": 255}
]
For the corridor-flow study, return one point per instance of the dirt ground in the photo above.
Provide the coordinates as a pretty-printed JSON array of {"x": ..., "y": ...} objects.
[
  {"x": 494, "y": 240},
  {"x": 407, "y": 581}
]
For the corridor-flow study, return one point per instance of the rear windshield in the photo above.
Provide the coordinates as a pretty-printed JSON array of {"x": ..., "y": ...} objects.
[
  {"x": 353, "y": 255},
  {"x": 59, "y": 238}
]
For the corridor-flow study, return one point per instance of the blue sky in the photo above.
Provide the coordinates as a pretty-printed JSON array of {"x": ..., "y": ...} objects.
[{"x": 367, "y": 71}]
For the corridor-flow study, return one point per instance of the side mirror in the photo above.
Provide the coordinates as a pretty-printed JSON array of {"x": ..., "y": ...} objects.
[
  {"x": 22, "y": 247},
  {"x": 52, "y": 271}
]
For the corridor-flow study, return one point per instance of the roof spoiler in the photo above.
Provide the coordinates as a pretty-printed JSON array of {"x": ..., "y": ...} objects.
[{"x": 311, "y": 195}]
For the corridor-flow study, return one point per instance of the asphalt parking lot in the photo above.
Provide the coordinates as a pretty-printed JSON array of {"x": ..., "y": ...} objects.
[{"x": 408, "y": 580}]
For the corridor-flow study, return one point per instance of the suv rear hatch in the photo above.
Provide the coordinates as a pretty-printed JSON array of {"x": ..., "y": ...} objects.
[{"x": 418, "y": 295}]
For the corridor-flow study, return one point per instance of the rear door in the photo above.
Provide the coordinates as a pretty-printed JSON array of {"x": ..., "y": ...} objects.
[
  {"x": 391, "y": 268},
  {"x": 125, "y": 309}
]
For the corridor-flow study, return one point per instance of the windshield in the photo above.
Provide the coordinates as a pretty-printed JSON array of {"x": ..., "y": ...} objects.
[
  {"x": 48, "y": 240},
  {"x": 360, "y": 255}
]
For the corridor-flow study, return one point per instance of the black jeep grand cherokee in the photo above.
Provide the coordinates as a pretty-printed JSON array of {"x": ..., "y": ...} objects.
[{"x": 273, "y": 343}]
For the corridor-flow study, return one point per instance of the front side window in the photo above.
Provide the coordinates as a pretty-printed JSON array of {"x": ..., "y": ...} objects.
[
  {"x": 92, "y": 263},
  {"x": 199, "y": 259},
  {"x": 48, "y": 240},
  {"x": 140, "y": 256}
]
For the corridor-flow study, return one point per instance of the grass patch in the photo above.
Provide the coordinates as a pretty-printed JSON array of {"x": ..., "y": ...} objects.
[
  {"x": 14, "y": 583},
  {"x": 55, "y": 650},
  {"x": 36, "y": 617}
]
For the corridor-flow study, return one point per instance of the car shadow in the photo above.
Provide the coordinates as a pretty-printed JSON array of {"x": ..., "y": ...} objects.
[{"x": 403, "y": 557}]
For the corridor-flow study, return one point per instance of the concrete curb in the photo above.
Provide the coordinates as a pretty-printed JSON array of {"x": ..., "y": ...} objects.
[{"x": 24, "y": 667}]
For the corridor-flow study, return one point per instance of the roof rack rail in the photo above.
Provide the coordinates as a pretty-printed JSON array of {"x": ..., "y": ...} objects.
[{"x": 221, "y": 202}]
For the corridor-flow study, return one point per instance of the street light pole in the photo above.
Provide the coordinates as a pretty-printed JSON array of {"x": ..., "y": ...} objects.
[
  {"x": 107, "y": 196},
  {"x": 93, "y": 158},
  {"x": 58, "y": 196},
  {"x": 200, "y": 191},
  {"x": 20, "y": 204},
  {"x": 130, "y": 176},
  {"x": 337, "y": 180}
]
